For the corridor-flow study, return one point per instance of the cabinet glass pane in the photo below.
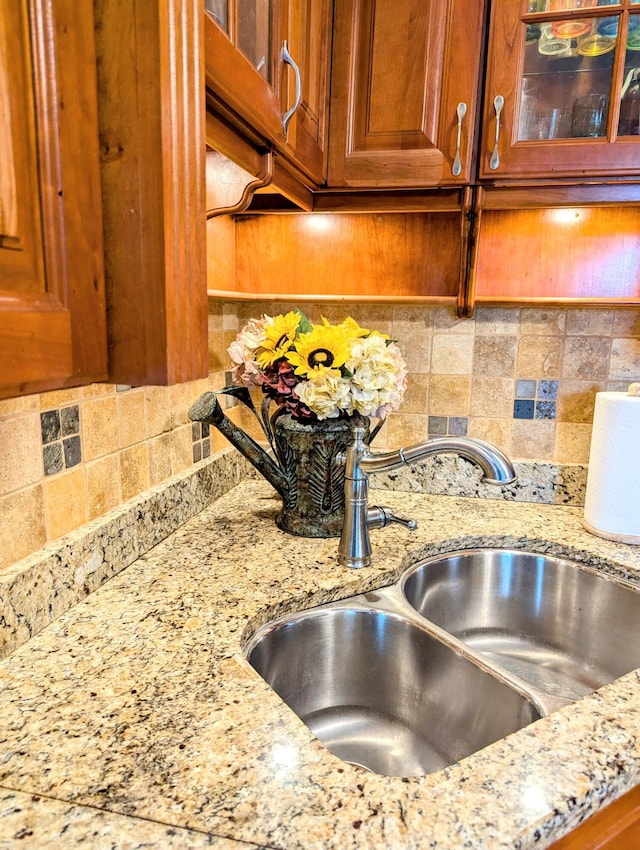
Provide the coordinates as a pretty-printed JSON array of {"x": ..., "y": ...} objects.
[
  {"x": 629, "y": 124},
  {"x": 566, "y": 82},
  {"x": 219, "y": 11},
  {"x": 254, "y": 33}
]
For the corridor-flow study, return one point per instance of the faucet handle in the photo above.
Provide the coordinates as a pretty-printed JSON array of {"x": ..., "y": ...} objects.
[{"x": 381, "y": 517}]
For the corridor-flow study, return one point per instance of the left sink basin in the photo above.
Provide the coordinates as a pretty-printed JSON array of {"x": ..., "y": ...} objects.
[{"x": 382, "y": 693}]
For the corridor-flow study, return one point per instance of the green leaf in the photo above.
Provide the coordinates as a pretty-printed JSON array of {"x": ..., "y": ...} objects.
[{"x": 305, "y": 325}]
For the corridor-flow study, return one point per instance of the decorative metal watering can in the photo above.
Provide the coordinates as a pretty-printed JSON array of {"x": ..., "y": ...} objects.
[{"x": 305, "y": 461}]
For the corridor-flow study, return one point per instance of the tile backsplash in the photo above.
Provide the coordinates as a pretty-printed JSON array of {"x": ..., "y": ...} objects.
[{"x": 524, "y": 378}]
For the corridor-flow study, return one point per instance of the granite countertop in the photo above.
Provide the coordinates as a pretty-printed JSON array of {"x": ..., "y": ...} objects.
[{"x": 133, "y": 720}]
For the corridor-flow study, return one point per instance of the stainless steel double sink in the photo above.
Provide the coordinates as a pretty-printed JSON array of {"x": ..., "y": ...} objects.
[{"x": 464, "y": 649}]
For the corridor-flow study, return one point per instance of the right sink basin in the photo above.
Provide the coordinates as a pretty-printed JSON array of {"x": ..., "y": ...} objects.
[{"x": 561, "y": 628}]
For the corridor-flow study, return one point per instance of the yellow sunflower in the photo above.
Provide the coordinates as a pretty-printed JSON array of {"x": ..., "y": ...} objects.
[
  {"x": 352, "y": 328},
  {"x": 325, "y": 347},
  {"x": 279, "y": 334}
]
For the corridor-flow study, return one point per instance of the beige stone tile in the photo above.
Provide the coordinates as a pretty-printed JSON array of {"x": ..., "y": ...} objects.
[
  {"x": 405, "y": 429},
  {"x": 573, "y": 441},
  {"x": 617, "y": 386},
  {"x": 219, "y": 340},
  {"x": 492, "y": 397},
  {"x": 539, "y": 357},
  {"x": 586, "y": 357},
  {"x": 547, "y": 321},
  {"x": 181, "y": 449},
  {"x": 134, "y": 470},
  {"x": 495, "y": 355},
  {"x": 576, "y": 400},
  {"x": 230, "y": 318},
  {"x": 59, "y": 398},
  {"x": 22, "y": 530},
  {"x": 626, "y": 322},
  {"x": 449, "y": 396},
  {"x": 157, "y": 407},
  {"x": 131, "y": 419},
  {"x": 103, "y": 485},
  {"x": 405, "y": 314},
  {"x": 532, "y": 439},
  {"x": 446, "y": 320},
  {"x": 625, "y": 360},
  {"x": 99, "y": 423},
  {"x": 415, "y": 347},
  {"x": 65, "y": 502},
  {"x": 218, "y": 441},
  {"x": 20, "y": 452},
  {"x": 497, "y": 320},
  {"x": 587, "y": 322},
  {"x": 10, "y": 407},
  {"x": 416, "y": 394},
  {"x": 97, "y": 390},
  {"x": 182, "y": 397},
  {"x": 495, "y": 431},
  {"x": 452, "y": 354},
  {"x": 160, "y": 457}
]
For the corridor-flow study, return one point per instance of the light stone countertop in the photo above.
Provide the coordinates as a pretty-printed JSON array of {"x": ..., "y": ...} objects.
[{"x": 134, "y": 720}]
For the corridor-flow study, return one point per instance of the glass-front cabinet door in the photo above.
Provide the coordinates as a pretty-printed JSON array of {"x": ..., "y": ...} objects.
[
  {"x": 563, "y": 89},
  {"x": 248, "y": 23}
]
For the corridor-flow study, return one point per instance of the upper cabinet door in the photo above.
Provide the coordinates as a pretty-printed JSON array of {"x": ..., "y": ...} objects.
[
  {"x": 52, "y": 302},
  {"x": 267, "y": 72},
  {"x": 562, "y": 94},
  {"x": 404, "y": 92},
  {"x": 306, "y": 28},
  {"x": 241, "y": 66}
]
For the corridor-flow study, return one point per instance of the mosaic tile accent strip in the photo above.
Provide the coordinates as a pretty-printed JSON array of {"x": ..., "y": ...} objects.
[
  {"x": 448, "y": 426},
  {"x": 61, "y": 444},
  {"x": 535, "y": 399},
  {"x": 201, "y": 441}
]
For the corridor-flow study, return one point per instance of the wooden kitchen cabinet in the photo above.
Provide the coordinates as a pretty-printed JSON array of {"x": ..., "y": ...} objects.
[
  {"x": 276, "y": 76},
  {"x": 52, "y": 296},
  {"x": 400, "y": 70},
  {"x": 555, "y": 76}
]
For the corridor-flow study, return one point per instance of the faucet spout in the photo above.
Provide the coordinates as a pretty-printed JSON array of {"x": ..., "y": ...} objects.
[
  {"x": 354, "y": 549},
  {"x": 496, "y": 466}
]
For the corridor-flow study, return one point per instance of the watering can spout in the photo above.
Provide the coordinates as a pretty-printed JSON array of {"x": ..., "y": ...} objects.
[{"x": 207, "y": 409}]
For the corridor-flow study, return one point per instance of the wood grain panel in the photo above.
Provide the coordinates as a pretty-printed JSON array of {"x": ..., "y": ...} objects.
[
  {"x": 374, "y": 256},
  {"x": 151, "y": 96},
  {"x": 565, "y": 253}
]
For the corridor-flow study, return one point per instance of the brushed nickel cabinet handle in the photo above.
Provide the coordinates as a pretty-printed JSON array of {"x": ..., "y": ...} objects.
[
  {"x": 288, "y": 60},
  {"x": 498, "y": 103},
  {"x": 461, "y": 111}
]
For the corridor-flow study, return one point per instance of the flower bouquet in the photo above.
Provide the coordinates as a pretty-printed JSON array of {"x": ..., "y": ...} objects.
[
  {"x": 325, "y": 379},
  {"x": 321, "y": 371}
]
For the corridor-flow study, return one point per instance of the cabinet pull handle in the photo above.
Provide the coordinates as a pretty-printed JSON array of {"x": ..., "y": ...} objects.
[
  {"x": 498, "y": 103},
  {"x": 461, "y": 111},
  {"x": 288, "y": 60}
]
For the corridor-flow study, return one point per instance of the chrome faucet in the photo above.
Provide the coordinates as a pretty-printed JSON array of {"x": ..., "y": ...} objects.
[{"x": 354, "y": 549}]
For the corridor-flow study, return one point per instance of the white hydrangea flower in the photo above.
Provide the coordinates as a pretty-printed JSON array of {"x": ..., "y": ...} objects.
[
  {"x": 379, "y": 376},
  {"x": 325, "y": 395}
]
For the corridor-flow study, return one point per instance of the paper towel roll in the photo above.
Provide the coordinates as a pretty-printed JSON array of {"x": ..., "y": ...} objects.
[{"x": 612, "y": 502}]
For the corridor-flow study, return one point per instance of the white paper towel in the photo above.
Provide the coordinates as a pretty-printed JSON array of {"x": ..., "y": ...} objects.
[{"x": 612, "y": 502}]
